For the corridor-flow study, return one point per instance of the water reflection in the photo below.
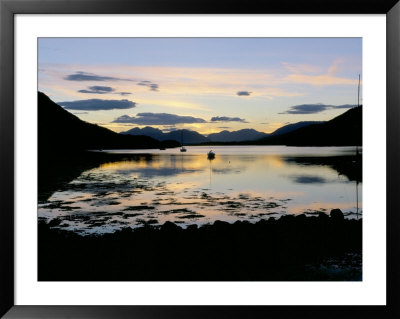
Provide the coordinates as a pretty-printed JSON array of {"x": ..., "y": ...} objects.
[
  {"x": 189, "y": 188},
  {"x": 308, "y": 179},
  {"x": 349, "y": 166}
]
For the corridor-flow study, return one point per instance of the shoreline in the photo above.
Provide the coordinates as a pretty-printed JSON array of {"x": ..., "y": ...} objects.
[{"x": 291, "y": 248}]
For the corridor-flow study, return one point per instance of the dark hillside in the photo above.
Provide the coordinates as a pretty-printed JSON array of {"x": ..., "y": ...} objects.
[
  {"x": 343, "y": 130},
  {"x": 62, "y": 132},
  {"x": 294, "y": 126},
  {"x": 236, "y": 136}
]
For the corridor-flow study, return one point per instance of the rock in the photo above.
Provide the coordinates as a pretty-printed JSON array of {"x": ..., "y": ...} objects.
[
  {"x": 192, "y": 227},
  {"x": 169, "y": 226},
  {"x": 221, "y": 224},
  {"x": 287, "y": 218},
  {"x": 323, "y": 216},
  {"x": 261, "y": 222},
  {"x": 301, "y": 217},
  {"x": 54, "y": 222},
  {"x": 337, "y": 215}
]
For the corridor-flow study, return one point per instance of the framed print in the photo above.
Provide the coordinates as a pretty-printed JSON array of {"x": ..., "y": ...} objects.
[{"x": 173, "y": 160}]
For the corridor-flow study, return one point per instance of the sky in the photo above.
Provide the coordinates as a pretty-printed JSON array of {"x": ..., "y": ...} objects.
[{"x": 202, "y": 84}]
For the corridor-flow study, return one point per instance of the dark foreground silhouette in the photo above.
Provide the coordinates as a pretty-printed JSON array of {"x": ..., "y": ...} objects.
[
  {"x": 60, "y": 133},
  {"x": 288, "y": 249}
]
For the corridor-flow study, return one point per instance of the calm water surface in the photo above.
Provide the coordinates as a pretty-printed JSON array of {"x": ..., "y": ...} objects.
[{"x": 241, "y": 183}]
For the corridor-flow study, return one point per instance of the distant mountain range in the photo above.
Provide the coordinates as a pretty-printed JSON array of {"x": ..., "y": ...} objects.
[
  {"x": 185, "y": 136},
  {"x": 62, "y": 132},
  {"x": 192, "y": 137},
  {"x": 236, "y": 136},
  {"x": 345, "y": 129}
]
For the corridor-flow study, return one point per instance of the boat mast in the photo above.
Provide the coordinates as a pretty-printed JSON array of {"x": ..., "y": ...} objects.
[
  {"x": 358, "y": 104},
  {"x": 358, "y": 100},
  {"x": 357, "y": 197}
]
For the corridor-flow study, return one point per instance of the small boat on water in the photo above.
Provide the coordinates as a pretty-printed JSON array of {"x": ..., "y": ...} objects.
[
  {"x": 183, "y": 149},
  {"x": 211, "y": 155}
]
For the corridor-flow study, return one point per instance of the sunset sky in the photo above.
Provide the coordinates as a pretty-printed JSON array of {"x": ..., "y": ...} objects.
[{"x": 203, "y": 84}]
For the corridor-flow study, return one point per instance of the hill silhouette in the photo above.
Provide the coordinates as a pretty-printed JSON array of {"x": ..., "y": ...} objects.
[
  {"x": 62, "y": 132},
  {"x": 248, "y": 136},
  {"x": 343, "y": 130},
  {"x": 188, "y": 136},
  {"x": 294, "y": 126},
  {"x": 236, "y": 136},
  {"x": 147, "y": 131}
]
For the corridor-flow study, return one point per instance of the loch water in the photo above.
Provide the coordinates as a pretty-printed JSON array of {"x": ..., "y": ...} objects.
[{"x": 240, "y": 183}]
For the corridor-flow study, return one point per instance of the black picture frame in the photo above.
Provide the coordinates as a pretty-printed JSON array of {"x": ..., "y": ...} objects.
[{"x": 9, "y": 8}]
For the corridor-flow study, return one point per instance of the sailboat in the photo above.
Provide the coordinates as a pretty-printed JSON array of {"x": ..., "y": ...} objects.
[
  {"x": 183, "y": 149},
  {"x": 358, "y": 152},
  {"x": 210, "y": 155}
]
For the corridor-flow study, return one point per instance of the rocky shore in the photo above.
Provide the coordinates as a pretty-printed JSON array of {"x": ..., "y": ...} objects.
[{"x": 291, "y": 248}]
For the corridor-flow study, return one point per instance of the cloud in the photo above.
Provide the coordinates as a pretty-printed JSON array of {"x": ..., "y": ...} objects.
[
  {"x": 227, "y": 119},
  {"x": 300, "y": 68},
  {"x": 335, "y": 67},
  {"x": 174, "y": 103},
  {"x": 243, "y": 93},
  {"x": 314, "y": 108},
  {"x": 83, "y": 76},
  {"x": 320, "y": 80},
  {"x": 178, "y": 81},
  {"x": 154, "y": 87},
  {"x": 169, "y": 129},
  {"x": 103, "y": 90},
  {"x": 97, "y": 104},
  {"x": 98, "y": 89},
  {"x": 158, "y": 119},
  {"x": 344, "y": 106},
  {"x": 151, "y": 85}
]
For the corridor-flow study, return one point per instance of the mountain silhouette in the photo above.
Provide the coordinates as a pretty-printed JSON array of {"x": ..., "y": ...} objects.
[
  {"x": 236, "y": 136},
  {"x": 294, "y": 126},
  {"x": 187, "y": 136},
  {"x": 147, "y": 131},
  {"x": 60, "y": 131},
  {"x": 343, "y": 130},
  {"x": 192, "y": 137}
]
